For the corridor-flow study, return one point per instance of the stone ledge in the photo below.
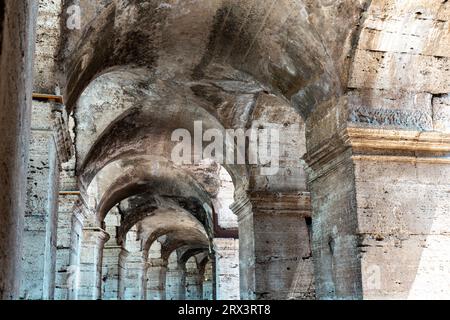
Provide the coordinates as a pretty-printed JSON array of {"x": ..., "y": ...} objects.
[
  {"x": 431, "y": 145},
  {"x": 428, "y": 142},
  {"x": 263, "y": 202},
  {"x": 48, "y": 97},
  {"x": 356, "y": 143}
]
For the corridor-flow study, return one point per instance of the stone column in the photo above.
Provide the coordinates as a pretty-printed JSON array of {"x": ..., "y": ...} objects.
[
  {"x": 275, "y": 253},
  {"x": 69, "y": 196},
  {"x": 17, "y": 39},
  {"x": 67, "y": 203},
  {"x": 208, "y": 282},
  {"x": 111, "y": 257},
  {"x": 110, "y": 274},
  {"x": 243, "y": 209},
  {"x": 227, "y": 269},
  {"x": 132, "y": 279},
  {"x": 175, "y": 280},
  {"x": 156, "y": 279},
  {"x": 91, "y": 254},
  {"x": 39, "y": 252},
  {"x": 194, "y": 281}
]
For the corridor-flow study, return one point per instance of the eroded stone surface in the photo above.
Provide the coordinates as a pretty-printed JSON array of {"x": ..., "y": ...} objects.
[{"x": 17, "y": 29}]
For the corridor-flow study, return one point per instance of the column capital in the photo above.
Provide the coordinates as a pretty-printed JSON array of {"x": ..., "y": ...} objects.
[
  {"x": 158, "y": 263},
  {"x": 281, "y": 202},
  {"x": 84, "y": 214},
  {"x": 242, "y": 205},
  {"x": 269, "y": 201},
  {"x": 95, "y": 234}
]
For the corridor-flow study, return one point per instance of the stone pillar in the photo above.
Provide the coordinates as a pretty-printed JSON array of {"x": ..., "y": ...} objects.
[
  {"x": 331, "y": 175},
  {"x": 227, "y": 269},
  {"x": 243, "y": 209},
  {"x": 91, "y": 254},
  {"x": 111, "y": 256},
  {"x": 67, "y": 203},
  {"x": 403, "y": 206},
  {"x": 132, "y": 279},
  {"x": 275, "y": 253},
  {"x": 194, "y": 281},
  {"x": 17, "y": 39},
  {"x": 156, "y": 279},
  {"x": 381, "y": 215},
  {"x": 175, "y": 279},
  {"x": 110, "y": 274},
  {"x": 39, "y": 252},
  {"x": 68, "y": 198},
  {"x": 208, "y": 282}
]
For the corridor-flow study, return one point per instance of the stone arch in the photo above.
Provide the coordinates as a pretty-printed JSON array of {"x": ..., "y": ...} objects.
[
  {"x": 124, "y": 178},
  {"x": 288, "y": 83},
  {"x": 170, "y": 223},
  {"x": 297, "y": 59},
  {"x": 167, "y": 221}
]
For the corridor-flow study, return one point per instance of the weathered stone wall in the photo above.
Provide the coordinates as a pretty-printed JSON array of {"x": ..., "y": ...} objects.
[
  {"x": 403, "y": 46},
  {"x": 274, "y": 237},
  {"x": 227, "y": 269},
  {"x": 17, "y": 23},
  {"x": 66, "y": 206},
  {"x": 247, "y": 260},
  {"x": 39, "y": 253},
  {"x": 400, "y": 68},
  {"x": 441, "y": 112},
  {"x": 385, "y": 120},
  {"x": 111, "y": 255},
  {"x": 403, "y": 220},
  {"x": 69, "y": 196},
  {"x": 400, "y": 77},
  {"x": 282, "y": 246},
  {"x": 48, "y": 38}
]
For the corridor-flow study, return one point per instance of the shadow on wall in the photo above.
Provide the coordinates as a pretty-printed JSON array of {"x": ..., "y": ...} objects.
[
  {"x": 404, "y": 248},
  {"x": 430, "y": 279}
]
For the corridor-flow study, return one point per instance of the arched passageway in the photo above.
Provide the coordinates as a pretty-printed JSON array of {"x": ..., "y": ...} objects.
[{"x": 338, "y": 191}]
